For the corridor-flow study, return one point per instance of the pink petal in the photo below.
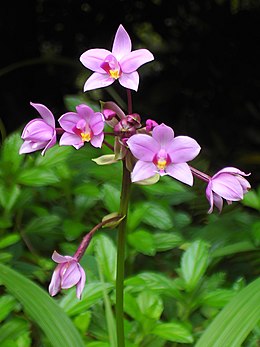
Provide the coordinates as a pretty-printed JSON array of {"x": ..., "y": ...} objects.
[
  {"x": 30, "y": 146},
  {"x": 50, "y": 144},
  {"x": 97, "y": 140},
  {"x": 209, "y": 196},
  {"x": 93, "y": 58},
  {"x": 183, "y": 149},
  {"x": 55, "y": 284},
  {"x": 85, "y": 112},
  {"x": 122, "y": 43},
  {"x": 218, "y": 201},
  {"x": 181, "y": 172},
  {"x": 61, "y": 258},
  {"x": 37, "y": 130},
  {"x": 133, "y": 60},
  {"x": 163, "y": 135},
  {"x": 68, "y": 121},
  {"x": 114, "y": 107},
  {"x": 71, "y": 275},
  {"x": 143, "y": 170},
  {"x": 96, "y": 123},
  {"x": 81, "y": 283},
  {"x": 130, "y": 80},
  {"x": 231, "y": 170},
  {"x": 98, "y": 80},
  {"x": 143, "y": 147},
  {"x": 228, "y": 187},
  {"x": 71, "y": 140},
  {"x": 45, "y": 113},
  {"x": 244, "y": 184}
]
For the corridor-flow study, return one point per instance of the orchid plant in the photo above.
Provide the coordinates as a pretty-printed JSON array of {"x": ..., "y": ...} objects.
[{"x": 147, "y": 151}]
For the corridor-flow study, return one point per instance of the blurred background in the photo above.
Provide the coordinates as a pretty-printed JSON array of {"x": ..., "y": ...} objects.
[{"x": 204, "y": 82}]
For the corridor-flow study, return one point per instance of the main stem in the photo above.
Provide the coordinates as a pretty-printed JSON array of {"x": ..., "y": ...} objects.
[{"x": 121, "y": 241}]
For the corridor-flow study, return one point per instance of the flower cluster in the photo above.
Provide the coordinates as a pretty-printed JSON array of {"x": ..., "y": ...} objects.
[{"x": 150, "y": 151}]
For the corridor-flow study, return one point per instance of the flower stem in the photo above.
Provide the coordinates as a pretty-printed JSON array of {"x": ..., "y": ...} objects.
[{"x": 121, "y": 241}]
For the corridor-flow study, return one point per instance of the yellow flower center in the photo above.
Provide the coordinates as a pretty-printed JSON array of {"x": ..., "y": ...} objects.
[
  {"x": 114, "y": 73},
  {"x": 161, "y": 164},
  {"x": 86, "y": 137}
]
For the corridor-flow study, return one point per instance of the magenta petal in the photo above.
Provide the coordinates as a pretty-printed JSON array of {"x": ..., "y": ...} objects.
[
  {"x": 55, "y": 284},
  {"x": 183, "y": 149},
  {"x": 68, "y": 121},
  {"x": 98, "y": 80},
  {"x": 143, "y": 147},
  {"x": 45, "y": 113},
  {"x": 244, "y": 183},
  {"x": 180, "y": 172},
  {"x": 130, "y": 80},
  {"x": 71, "y": 140},
  {"x": 209, "y": 196},
  {"x": 228, "y": 187},
  {"x": 81, "y": 283},
  {"x": 133, "y": 60},
  {"x": 93, "y": 58},
  {"x": 97, "y": 140},
  {"x": 122, "y": 43},
  {"x": 143, "y": 170},
  {"x": 70, "y": 275},
  {"x": 163, "y": 135},
  {"x": 61, "y": 258}
]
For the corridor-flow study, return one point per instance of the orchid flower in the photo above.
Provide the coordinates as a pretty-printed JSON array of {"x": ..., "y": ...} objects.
[
  {"x": 67, "y": 274},
  {"x": 120, "y": 64},
  {"x": 39, "y": 133},
  {"x": 162, "y": 154},
  {"x": 228, "y": 184},
  {"x": 82, "y": 126}
]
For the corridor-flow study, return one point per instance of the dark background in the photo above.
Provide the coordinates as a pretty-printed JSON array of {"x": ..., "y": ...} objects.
[{"x": 204, "y": 82}]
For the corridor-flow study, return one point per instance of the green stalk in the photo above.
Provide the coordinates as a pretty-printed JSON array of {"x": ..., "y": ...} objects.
[{"x": 121, "y": 241}]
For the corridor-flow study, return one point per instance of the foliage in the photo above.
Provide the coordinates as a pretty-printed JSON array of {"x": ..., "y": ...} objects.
[{"x": 45, "y": 201}]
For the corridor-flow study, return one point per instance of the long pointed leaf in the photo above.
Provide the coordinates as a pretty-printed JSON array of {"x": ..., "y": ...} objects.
[
  {"x": 42, "y": 309},
  {"x": 233, "y": 324}
]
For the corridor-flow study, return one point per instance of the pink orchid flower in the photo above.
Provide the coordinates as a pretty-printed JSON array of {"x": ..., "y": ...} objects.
[
  {"x": 82, "y": 126},
  {"x": 39, "y": 133},
  {"x": 162, "y": 153},
  {"x": 228, "y": 184},
  {"x": 120, "y": 64},
  {"x": 67, "y": 274}
]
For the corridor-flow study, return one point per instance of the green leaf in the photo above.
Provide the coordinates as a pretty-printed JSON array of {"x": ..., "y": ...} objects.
[
  {"x": 252, "y": 199},
  {"x": 233, "y": 324},
  {"x": 54, "y": 156},
  {"x": 7, "y": 304},
  {"x": 37, "y": 177},
  {"x": 43, "y": 225},
  {"x": 111, "y": 197},
  {"x": 166, "y": 241},
  {"x": 13, "y": 329},
  {"x": 175, "y": 332},
  {"x": 42, "y": 309},
  {"x": 150, "y": 304},
  {"x": 9, "y": 196},
  {"x": 194, "y": 263},
  {"x": 11, "y": 159},
  {"x": 92, "y": 293},
  {"x": 105, "y": 252},
  {"x": 142, "y": 241},
  {"x": 218, "y": 298},
  {"x": 9, "y": 240},
  {"x": 156, "y": 282}
]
